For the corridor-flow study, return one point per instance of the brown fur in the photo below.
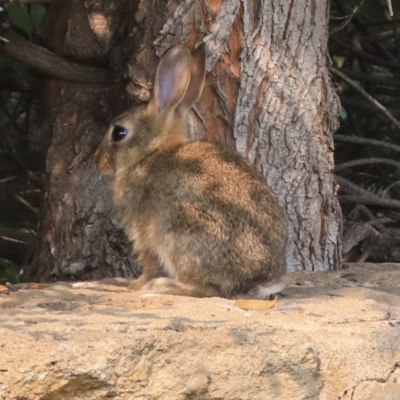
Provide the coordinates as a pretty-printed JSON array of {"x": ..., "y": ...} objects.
[{"x": 199, "y": 214}]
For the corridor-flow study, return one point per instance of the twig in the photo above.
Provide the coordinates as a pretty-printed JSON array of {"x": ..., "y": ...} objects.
[
  {"x": 376, "y": 37},
  {"x": 362, "y": 54},
  {"x": 372, "y": 142},
  {"x": 350, "y": 187},
  {"x": 17, "y": 235},
  {"x": 49, "y": 63},
  {"x": 359, "y": 25},
  {"x": 347, "y": 18},
  {"x": 364, "y": 161},
  {"x": 381, "y": 221},
  {"x": 384, "y": 22},
  {"x": 3, "y": 2},
  {"x": 363, "y": 210},
  {"x": 365, "y": 105},
  {"x": 389, "y": 2},
  {"x": 376, "y": 103},
  {"x": 362, "y": 196},
  {"x": 370, "y": 201},
  {"x": 392, "y": 214},
  {"x": 379, "y": 79}
]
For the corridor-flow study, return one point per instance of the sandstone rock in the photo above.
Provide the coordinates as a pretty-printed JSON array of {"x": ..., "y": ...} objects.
[{"x": 332, "y": 336}]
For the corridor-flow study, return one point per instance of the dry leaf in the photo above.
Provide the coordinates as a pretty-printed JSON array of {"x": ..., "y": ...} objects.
[
  {"x": 34, "y": 286},
  {"x": 255, "y": 305},
  {"x": 4, "y": 289}
]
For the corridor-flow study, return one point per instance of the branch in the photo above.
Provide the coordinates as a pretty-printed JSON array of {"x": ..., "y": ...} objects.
[
  {"x": 361, "y": 54},
  {"x": 372, "y": 142},
  {"x": 49, "y": 63},
  {"x": 380, "y": 80},
  {"x": 364, "y": 161},
  {"x": 359, "y": 25},
  {"x": 370, "y": 200},
  {"x": 3, "y": 2},
  {"x": 380, "y": 36},
  {"x": 390, "y": 7},
  {"x": 350, "y": 187},
  {"x": 376, "y": 103},
  {"x": 362, "y": 196},
  {"x": 382, "y": 22},
  {"x": 381, "y": 221},
  {"x": 365, "y": 105}
]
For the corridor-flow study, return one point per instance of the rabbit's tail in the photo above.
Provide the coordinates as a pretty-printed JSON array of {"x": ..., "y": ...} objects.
[
  {"x": 172, "y": 286},
  {"x": 264, "y": 292}
]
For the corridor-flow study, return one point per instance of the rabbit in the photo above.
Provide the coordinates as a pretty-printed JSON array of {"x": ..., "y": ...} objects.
[{"x": 202, "y": 219}]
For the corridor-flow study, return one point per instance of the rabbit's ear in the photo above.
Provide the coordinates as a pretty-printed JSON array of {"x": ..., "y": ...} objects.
[
  {"x": 172, "y": 78},
  {"x": 197, "y": 76}
]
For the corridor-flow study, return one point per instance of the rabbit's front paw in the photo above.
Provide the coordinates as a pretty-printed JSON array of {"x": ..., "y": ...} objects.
[
  {"x": 159, "y": 285},
  {"x": 138, "y": 284}
]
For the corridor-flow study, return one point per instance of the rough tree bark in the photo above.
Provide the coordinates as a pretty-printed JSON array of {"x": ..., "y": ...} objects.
[
  {"x": 78, "y": 236},
  {"x": 268, "y": 94}
]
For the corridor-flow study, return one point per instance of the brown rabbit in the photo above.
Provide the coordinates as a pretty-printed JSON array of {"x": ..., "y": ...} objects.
[{"x": 202, "y": 219}]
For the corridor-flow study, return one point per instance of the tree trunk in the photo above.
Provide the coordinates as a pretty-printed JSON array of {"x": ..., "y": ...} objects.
[
  {"x": 79, "y": 238},
  {"x": 268, "y": 94}
]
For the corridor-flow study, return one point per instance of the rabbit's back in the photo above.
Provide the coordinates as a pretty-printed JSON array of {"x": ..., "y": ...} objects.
[{"x": 206, "y": 213}]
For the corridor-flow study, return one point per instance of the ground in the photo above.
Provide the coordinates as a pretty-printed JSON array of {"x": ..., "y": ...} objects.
[{"x": 330, "y": 336}]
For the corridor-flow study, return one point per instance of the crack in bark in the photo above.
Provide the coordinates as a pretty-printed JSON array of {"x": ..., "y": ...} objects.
[{"x": 288, "y": 19}]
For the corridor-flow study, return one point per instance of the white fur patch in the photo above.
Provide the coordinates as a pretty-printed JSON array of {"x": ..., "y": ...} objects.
[
  {"x": 263, "y": 292},
  {"x": 167, "y": 264}
]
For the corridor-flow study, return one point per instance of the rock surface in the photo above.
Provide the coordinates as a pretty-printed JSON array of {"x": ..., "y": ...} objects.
[{"x": 332, "y": 336}]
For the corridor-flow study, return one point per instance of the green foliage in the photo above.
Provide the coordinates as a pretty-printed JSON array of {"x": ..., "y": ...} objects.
[
  {"x": 20, "y": 18},
  {"x": 30, "y": 19},
  {"x": 10, "y": 272},
  {"x": 38, "y": 16}
]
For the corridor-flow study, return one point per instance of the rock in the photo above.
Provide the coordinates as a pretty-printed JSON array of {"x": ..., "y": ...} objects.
[{"x": 332, "y": 336}]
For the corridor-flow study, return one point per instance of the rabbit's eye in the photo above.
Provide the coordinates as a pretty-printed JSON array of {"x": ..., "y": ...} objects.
[{"x": 118, "y": 133}]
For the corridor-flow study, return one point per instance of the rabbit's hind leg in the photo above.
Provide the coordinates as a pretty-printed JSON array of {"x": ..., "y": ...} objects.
[
  {"x": 172, "y": 286},
  {"x": 150, "y": 264}
]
